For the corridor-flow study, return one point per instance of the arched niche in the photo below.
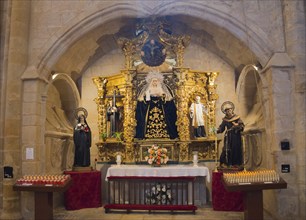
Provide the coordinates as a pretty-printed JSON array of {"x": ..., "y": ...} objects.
[
  {"x": 62, "y": 100},
  {"x": 250, "y": 97},
  {"x": 69, "y": 94},
  {"x": 249, "y": 88}
]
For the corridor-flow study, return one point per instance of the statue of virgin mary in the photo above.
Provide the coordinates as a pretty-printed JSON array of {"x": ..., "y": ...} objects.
[{"x": 156, "y": 111}]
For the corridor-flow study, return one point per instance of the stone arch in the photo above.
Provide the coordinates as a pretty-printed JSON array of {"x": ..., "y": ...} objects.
[
  {"x": 62, "y": 100},
  {"x": 250, "y": 97},
  {"x": 261, "y": 46},
  {"x": 247, "y": 88},
  {"x": 34, "y": 118},
  {"x": 70, "y": 95},
  {"x": 257, "y": 40}
]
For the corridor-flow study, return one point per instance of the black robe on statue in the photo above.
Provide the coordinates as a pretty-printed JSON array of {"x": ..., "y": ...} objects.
[
  {"x": 156, "y": 118},
  {"x": 82, "y": 142},
  {"x": 232, "y": 150}
]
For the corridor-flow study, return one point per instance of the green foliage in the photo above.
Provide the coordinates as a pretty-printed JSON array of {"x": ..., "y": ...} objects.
[
  {"x": 118, "y": 136},
  {"x": 104, "y": 136}
]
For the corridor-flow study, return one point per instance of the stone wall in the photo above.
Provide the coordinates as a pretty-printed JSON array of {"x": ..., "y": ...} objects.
[{"x": 46, "y": 36}]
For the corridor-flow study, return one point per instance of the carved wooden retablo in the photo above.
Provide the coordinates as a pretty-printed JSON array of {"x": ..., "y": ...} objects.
[{"x": 154, "y": 50}]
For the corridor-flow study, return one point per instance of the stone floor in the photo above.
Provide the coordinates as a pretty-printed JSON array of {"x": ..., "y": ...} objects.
[{"x": 206, "y": 213}]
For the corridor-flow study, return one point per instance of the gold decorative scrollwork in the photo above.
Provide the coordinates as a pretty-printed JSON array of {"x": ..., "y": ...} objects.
[
  {"x": 129, "y": 123},
  {"x": 100, "y": 83},
  {"x": 183, "y": 82},
  {"x": 182, "y": 105}
]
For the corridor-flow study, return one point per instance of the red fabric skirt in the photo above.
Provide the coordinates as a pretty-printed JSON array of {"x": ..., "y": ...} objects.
[
  {"x": 85, "y": 191},
  {"x": 222, "y": 200}
]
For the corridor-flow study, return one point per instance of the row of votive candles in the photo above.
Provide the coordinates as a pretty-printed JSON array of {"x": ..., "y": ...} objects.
[
  {"x": 43, "y": 179},
  {"x": 251, "y": 176}
]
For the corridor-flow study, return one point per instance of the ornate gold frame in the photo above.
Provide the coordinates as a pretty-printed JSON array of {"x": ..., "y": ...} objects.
[{"x": 189, "y": 83}]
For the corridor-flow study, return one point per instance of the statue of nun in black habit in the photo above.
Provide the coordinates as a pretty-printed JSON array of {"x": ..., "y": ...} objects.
[
  {"x": 82, "y": 141},
  {"x": 156, "y": 111}
]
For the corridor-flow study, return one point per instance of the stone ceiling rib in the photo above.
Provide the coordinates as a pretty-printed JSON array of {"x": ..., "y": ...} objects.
[{"x": 226, "y": 37}]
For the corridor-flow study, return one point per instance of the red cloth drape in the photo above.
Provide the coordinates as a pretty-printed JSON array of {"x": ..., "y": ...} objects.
[
  {"x": 85, "y": 191},
  {"x": 223, "y": 200}
]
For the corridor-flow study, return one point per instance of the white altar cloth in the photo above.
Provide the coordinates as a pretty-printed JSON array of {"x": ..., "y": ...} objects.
[{"x": 163, "y": 171}]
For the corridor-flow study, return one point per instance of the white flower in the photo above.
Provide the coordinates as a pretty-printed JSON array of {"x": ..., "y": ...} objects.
[
  {"x": 156, "y": 155},
  {"x": 153, "y": 189},
  {"x": 164, "y": 188},
  {"x": 169, "y": 195}
]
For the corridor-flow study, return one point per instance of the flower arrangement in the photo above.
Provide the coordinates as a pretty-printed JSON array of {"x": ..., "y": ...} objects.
[
  {"x": 160, "y": 194},
  {"x": 157, "y": 155}
]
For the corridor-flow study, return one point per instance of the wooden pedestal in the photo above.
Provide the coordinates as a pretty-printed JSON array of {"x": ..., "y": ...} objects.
[
  {"x": 43, "y": 195},
  {"x": 253, "y": 196}
]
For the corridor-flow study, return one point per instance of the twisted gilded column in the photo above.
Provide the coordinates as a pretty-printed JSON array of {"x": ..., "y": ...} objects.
[
  {"x": 100, "y": 83},
  {"x": 212, "y": 97},
  {"x": 128, "y": 47},
  {"x": 182, "y": 43},
  {"x": 182, "y": 120},
  {"x": 129, "y": 122}
]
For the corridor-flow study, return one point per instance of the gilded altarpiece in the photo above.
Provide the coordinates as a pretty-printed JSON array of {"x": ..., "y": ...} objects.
[{"x": 165, "y": 57}]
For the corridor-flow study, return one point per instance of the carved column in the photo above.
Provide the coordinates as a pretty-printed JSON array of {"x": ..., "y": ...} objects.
[
  {"x": 129, "y": 123},
  {"x": 128, "y": 47},
  {"x": 182, "y": 120},
  {"x": 180, "y": 46},
  {"x": 212, "y": 97},
  {"x": 100, "y": 83}
]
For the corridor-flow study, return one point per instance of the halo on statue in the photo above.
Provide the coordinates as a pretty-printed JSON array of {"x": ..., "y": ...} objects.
[
  {"x": 78, "y": 110},
  {"x": 227, "y": 105}
]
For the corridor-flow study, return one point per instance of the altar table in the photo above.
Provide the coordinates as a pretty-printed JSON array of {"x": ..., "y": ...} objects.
[
  {"x": 163, "y": 171},
  {"x": 130, "y": 186},
  {"x": 85, "y": 191}
]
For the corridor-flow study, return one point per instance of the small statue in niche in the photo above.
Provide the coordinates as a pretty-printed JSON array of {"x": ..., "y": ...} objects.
[
  {"x": 82, "y": 140},
  {"x": 114, "y": 117},
  {"x": 232, "y": 150},
  {"x": 196, "y": 112}
]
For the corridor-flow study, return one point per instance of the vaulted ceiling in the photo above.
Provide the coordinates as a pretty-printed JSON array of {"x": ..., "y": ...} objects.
[{"x": 95, "y": 44}]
